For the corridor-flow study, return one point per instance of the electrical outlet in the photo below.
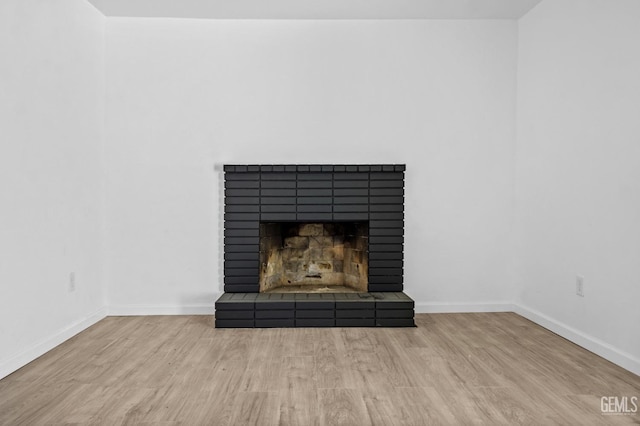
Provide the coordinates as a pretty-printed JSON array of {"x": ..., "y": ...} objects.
[
  {"x": 580, "y": 286},
  {"x": 72, "y": 282}
]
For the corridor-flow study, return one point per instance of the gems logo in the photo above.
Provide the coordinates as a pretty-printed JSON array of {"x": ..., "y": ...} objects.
[{"x": 619, "y": 405}]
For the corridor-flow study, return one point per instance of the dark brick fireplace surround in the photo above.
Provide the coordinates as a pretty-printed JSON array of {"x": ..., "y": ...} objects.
[{"x": 313, "y": 194}]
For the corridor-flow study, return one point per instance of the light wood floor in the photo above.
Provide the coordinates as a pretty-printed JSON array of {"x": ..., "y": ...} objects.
[{"x": 491, "y": 369}]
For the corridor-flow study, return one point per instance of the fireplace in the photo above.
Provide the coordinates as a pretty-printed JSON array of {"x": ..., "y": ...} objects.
[
  {"x": 302, "y": 257},
  {"x": 314, "y": 245}
]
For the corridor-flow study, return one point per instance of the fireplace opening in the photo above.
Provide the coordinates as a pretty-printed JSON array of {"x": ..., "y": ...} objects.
[{"x": 327, "y": 257}]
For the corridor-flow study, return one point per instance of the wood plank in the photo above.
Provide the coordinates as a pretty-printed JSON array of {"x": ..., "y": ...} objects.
[
  {"x": 480, "y": 368},
  {"x": 342, "y": 407}
]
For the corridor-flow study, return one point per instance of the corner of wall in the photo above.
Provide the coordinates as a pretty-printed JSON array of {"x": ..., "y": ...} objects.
[
  {"x": 38, "y": 349},
  {"x": 597, "y": 346}
]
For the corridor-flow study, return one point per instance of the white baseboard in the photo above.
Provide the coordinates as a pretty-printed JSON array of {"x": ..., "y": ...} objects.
[
  {"x": 623, "y": 359},
  {"x": 598, "y": 347},
  {"x": 23, "y": 358},
  {"x": 142, "y": 310},
  {"x": 450, "y": 308}
]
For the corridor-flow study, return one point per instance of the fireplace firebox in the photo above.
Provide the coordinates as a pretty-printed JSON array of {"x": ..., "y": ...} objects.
[
  {"x": 314, "y": 245},
  {"x": 306, "y": 257}
]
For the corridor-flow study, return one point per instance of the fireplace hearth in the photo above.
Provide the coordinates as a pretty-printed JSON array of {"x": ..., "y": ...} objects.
[{"x": 314, "y": 245}]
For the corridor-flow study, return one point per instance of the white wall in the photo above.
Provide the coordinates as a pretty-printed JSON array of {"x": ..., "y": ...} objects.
[
  {"x": 51, "y": 121},
  {"x": 185, "y": 95},
  {"x": 578, "y": 179}
]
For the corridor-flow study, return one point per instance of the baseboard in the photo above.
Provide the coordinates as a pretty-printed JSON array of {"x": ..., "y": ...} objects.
[
  {"x": 25, "y": 357},
  {"x": 608, "y": 352},
  {"x": 598, "y": 347},
  {"x": 142, "y": 310},
  {"x": 449, "y": 308}
]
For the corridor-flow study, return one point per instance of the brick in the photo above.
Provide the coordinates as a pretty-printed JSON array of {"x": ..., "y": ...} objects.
[
  {"x": 315, "y": 313},
  {"x": 272, "y": 323},
  {"x": 355, "y": 313},
  {"x": 395, "y": 322},
  {"x": 234, "y": 323},
  {"x": 315, "y": 322},
  {"x": 233, "y": 314},
  {"x": 355, "y": 322}
]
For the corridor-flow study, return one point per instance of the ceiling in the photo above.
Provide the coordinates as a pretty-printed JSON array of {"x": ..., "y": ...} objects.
[{"x": 316, "y": 9}]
